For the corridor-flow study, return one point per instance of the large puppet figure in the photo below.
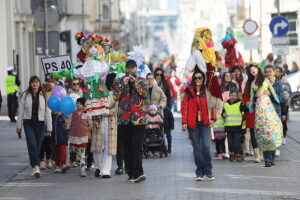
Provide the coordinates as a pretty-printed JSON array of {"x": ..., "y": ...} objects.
[
  {"x": 204, "y": 57},
  {"x": 233, "y": 56}
]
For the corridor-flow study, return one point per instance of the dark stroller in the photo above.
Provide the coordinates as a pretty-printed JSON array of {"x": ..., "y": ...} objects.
[{"x": 154, "y": 142}]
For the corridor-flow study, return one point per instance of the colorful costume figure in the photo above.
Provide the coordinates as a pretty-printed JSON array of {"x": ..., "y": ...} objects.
[
  {"x": 233, "y": 56},
  {"x": 268, "y": 126},
  {"x": 203, "y": 56},
  {"x": 81, "y": 54}
]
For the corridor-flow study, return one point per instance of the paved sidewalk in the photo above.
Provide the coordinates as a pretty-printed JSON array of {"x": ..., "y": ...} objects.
[{"x": 167, "y": 178}]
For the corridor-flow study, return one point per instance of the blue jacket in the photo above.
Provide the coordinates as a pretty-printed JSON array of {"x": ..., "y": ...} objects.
[{"x": 59, "y": 133}]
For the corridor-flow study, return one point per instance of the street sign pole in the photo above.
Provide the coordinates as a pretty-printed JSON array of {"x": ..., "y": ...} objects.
[
  {"x": 46, "y": 28},
  {"x": 250, "y": 18}
]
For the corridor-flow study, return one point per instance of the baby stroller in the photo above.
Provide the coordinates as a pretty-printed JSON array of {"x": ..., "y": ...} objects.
[{"x": 154, "y": 140}]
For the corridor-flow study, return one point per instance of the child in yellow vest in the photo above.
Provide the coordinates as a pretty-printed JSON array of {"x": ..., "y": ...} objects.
[{"x": 232, "y": 113}]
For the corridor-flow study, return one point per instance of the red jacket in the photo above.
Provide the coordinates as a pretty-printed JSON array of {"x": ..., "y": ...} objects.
[
  {"x": 250, "y": 117},
  {"x": 190, "y": 106}
]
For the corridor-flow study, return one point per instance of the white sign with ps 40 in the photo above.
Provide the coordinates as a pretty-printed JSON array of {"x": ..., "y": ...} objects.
[{"x": 55, "y": 64}]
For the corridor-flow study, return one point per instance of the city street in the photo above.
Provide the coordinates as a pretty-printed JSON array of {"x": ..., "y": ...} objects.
[{"x": 167, "y": 178}]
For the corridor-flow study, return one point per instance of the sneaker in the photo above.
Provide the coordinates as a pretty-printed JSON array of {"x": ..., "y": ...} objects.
[
  {"x": 284, "y": 141},
  {"x": 140, "y": 179},
  {"x": 57, "y": 169},
  {"x": 272, "y": 163},
  {"x": 277, "y": 153},
  {"x": 219, "y": 156},
  {"x": 105, "y": 176},
  {"x": 49, "y": 163},
  {"x": 64, "y": 169},
  {"x": 130, "y": 179},
  {"x": 267, "y": 164},
  {"x": 97, "y": 173},
  {"x": 210, "y": 177},
  {"x": 42, "y": 165},
  {"x": 82, "y": 172},
  {"x": 73, "y": 165},
  {"x": 119, "y": 171},
  {"x": 238, "y": 157},
  {"x": 38, "y": 172},
  {"x": 93, "y": 166},
  {"x": 225, "y": 156},
  {"x": 199, "y": 178}
]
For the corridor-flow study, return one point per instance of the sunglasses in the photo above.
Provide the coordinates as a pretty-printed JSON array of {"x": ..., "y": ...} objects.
[
  {"x": 198, "y": 77},
  {"x": 75, "y": 84},
  {"x": 158, "y": 74}
]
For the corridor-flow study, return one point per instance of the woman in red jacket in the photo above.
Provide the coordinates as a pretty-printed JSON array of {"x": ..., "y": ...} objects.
[{"x": 197, "y": 119}]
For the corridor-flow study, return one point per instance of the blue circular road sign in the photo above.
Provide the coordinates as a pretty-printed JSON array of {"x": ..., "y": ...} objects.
[{"x": 279, "y": 26}]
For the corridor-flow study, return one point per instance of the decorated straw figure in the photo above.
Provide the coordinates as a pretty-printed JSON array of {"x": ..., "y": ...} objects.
[
  {"x": 233, "y": 56},
  {"x": 205, "y": 58}
]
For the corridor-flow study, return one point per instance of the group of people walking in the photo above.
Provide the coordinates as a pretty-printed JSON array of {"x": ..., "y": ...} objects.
[
  {"x": 77, "y": 139},
  {"x": 254, "y": 113}
]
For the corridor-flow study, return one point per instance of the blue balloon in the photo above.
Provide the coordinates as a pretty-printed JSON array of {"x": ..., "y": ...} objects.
[
  {"x": 67, "y": 105},
  {"x": 53, "y": 103}
]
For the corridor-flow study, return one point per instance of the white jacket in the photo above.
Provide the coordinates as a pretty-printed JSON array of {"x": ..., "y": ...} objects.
[{"x": 25, "y": 110}]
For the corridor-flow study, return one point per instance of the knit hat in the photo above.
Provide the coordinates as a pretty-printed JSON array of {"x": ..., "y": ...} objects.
[{"x": 153, "y": 107}]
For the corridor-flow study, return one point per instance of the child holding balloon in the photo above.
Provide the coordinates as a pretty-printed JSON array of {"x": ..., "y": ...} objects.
[{"x": 79, "y": 134}]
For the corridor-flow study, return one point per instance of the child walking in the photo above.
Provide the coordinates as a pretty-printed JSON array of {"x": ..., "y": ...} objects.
[
  {"x": 232, "y": 112},
  {"x": 79, "y": 134},
  {"x": 59, "y": 140},
  {"x": 220, "y": 136}
]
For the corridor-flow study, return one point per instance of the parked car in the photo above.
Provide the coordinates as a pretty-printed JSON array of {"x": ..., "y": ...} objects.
[{"x": 294, "y": 100}]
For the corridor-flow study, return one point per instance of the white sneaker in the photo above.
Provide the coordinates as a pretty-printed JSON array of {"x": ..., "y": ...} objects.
[
  {"x": 73, "y": 165},
  {"x": 33, "y": 171},
  {"x": 42, "y": 165},
  {"x": 36, "y": 172},
  {"x": 199, "y": 178},
  {"x": 49, "y": 164},
  {"x": 57, "y": 169},
  {"x": 284, "y": 141},
  {"x": 277, "y": 153}
]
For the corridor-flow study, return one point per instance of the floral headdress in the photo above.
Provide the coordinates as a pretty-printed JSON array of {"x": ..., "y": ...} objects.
[{"x": 97, "y": 39}]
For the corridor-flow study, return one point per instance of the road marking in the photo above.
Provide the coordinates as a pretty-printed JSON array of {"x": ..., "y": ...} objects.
[
  {"x": 243, "y": 191},
  {"x": 26, "y": 184}
]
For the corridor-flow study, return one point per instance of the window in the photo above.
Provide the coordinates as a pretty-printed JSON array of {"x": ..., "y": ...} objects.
[{"x": 105, "y": 11}]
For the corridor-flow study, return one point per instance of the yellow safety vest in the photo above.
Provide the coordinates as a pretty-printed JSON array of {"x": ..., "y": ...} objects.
[
  {"x": 233, "y": 114},
  {"x": 10, "y": 84},
  {"x": 219, "y": 124}
]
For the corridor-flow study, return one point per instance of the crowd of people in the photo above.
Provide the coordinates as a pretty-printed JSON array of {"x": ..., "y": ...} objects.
[
  {"x": 253, "y": 119},
  {"x": 59, "y": 141},
  {"x": 243, "y": 108}
]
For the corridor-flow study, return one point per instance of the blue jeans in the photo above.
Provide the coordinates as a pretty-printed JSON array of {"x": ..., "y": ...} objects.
[
  {"x": 200, "y": 137},
  {"x": 34, "y": 132},
  {"x": 234, "y": 141},
  {"x": 169, "y": 139},
  {"x": 269, "y": 156}
]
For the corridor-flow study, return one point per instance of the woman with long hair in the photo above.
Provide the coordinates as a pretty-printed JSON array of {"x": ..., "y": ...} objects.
[
  {"x": 268, "y": 126},
  {"x": 197, "y": 119},
  {"x": 227, "y": 84},
  {"x": 34, "y": 114},
  {"x": 162, "y": 82},
  {"x": 239, "y": 77}
]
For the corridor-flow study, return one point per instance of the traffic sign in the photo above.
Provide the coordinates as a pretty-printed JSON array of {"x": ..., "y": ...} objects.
[
  {"x": 281, "y": 50},
  {"x": 250, "y": 42},
  {"x": 250, "y": 26},
  {"x": 280, "y": 41},
  {"x": 55, "y": 64},
  {"x": 279, "y": 26}
]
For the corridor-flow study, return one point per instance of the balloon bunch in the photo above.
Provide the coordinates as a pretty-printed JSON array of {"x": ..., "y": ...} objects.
[{"x": 59, "y": 102}]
